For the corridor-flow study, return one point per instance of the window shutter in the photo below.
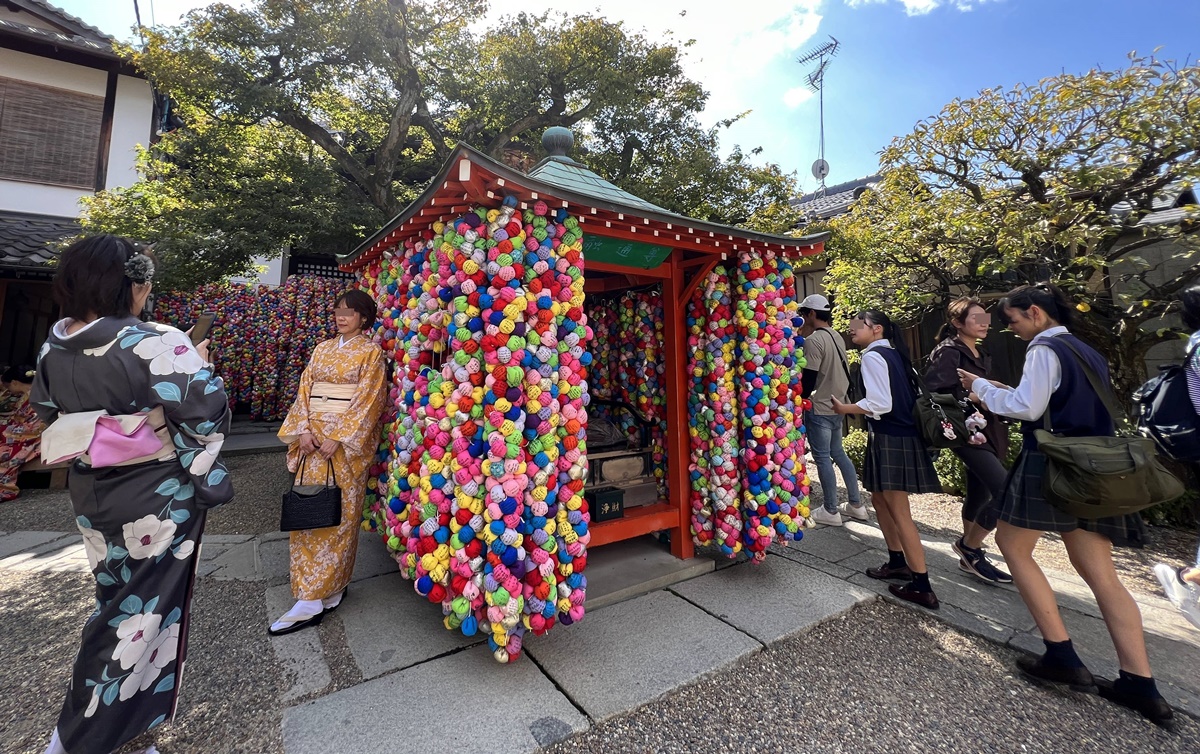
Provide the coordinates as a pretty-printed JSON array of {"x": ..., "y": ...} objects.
[{"x": 49, "y": 135}]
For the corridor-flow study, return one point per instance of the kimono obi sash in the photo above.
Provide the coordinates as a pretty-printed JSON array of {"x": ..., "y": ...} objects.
[
  {"x": 331, "y": 397},
  {"x": 102, "y": 440}
]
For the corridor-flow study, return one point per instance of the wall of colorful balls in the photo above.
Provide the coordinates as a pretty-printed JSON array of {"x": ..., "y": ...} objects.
[
  {"x": 481, "y": 469},
  {"x": 262, "y": 336},
  {"x": 482, "y": 462}
]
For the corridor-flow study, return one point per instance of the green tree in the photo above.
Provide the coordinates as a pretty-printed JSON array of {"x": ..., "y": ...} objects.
[
  {"x": 1052, "y": 181},
  {"x": 350, "y": 106}
]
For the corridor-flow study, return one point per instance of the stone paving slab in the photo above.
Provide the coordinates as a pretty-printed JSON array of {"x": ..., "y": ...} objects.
[
  {"x": 236, "y": 563},
  {"x": 796, "y": 554},
  {"x": 389, "y": 626},
  {"x": 65, "y": 554},
  {"x": 1175, "y": 664},
  {"x": 628, "y": 569},
  {"x": 466, "y": 703},
  {"x": 772, "y": 599},
  {"x": 28, "y": 543},
  {"x": 631, "y": 653},
  {"x": 299, "y": 653},
  {"x": 833, "y": 543},
  {"x": 373, "y": 558}
]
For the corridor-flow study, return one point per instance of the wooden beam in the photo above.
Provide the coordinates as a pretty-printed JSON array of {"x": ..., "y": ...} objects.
[
  {"x": 699, "y": 277},
  {"x": 661, "y": 272},
  {"x": 677, "y": 384}
]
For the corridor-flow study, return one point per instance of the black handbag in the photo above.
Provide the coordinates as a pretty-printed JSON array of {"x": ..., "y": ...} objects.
[
  {"x": 1165, "y": 413},
  {"x": 316, "y": 506}
]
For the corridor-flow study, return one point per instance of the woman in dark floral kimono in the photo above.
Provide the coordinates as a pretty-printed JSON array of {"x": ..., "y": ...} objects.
[{"x": 141, "y": 512}]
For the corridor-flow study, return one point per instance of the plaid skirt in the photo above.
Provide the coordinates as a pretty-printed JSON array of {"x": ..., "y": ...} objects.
[
  {"x": 1025, "y": 506},
  {"x": 901, "y": 464}
]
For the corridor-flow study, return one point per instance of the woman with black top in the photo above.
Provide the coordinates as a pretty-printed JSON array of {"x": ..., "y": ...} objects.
[
  {"x": 967, "y": 323},
  {"x": 898, "y": 462},
  {"x": 1054, "y": 380}
]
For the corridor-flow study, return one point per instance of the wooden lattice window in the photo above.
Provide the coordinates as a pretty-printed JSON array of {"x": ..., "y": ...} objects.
[{"x": 49, "y": 135}]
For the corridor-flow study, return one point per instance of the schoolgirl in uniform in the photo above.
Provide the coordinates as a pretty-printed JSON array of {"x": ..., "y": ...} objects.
[
  {"x": 898, "y": 462},
  {"x": 1054, "y": 381}
]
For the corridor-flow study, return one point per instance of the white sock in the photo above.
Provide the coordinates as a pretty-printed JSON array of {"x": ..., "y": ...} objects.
[
  {"x": 56, "y": 746},
  {"x": 302, "y": 609},
  {"x": 331, "y": 602}
]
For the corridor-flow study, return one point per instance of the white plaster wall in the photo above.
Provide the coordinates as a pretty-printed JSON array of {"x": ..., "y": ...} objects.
[
  {"x": 132, "y": 115},
  {"x": 270, "y": 271}
]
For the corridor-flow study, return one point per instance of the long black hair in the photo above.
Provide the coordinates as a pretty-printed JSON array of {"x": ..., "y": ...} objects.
[
  {"x": 1049, "y": 298},
  {"x": 891, "y": 331}
]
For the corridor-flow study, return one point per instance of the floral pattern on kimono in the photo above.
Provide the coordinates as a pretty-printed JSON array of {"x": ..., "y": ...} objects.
[
  {"x": 141, "y": 524},
  {"x": 322, "y": 560},
  {"x": 20, "y": 433}
]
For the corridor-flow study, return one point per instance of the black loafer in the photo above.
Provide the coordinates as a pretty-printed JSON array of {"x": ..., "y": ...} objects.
[
  {"x": 885, "y": 572},
  {"x": 1154, "y": 709},
  {"x": 926, "y": 600},
  {"x": 1078, "y": 679}
]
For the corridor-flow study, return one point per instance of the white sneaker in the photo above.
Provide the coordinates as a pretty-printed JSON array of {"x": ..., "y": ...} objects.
[
  {"x": 822, "y": 516},
  {"x": 856, "y": 512},
  {"x": 1184, "y": 596}
]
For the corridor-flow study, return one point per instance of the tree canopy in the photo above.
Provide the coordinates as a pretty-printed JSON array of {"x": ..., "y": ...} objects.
[
  {"x": 1057, "y": 181},
  {"x": 309, "y": 121}
]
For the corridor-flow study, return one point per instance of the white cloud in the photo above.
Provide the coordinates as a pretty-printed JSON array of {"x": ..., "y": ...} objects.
[
  {"x": 734, "y": 46},
  {"x": 922, "y": 7},
  {"x": 797, "y": 96}
]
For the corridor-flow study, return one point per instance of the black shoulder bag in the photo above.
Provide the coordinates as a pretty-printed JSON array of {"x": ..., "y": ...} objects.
[{"x": 315, "y": 506}]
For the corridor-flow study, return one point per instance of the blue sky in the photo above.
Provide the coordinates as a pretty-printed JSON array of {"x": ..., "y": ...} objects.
[{"x": 901, "y": 60}]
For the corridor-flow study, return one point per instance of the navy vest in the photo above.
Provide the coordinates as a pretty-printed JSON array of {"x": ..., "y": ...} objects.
[
  {"x": 1075, "y": 409},
  {"x": 899, "y": 421}
]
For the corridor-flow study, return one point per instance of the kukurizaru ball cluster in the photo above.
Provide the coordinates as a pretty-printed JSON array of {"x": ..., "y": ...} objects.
[
  {"x": 262, "y": 337},
  {"x": 481, "y": 497}
]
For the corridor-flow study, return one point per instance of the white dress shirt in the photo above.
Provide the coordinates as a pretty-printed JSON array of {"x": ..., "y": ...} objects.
[
  {"x": 876, "y": 385},
  {"x": 1039, "y": 379}
]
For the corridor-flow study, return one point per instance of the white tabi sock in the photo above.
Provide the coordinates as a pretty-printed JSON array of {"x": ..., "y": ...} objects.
[{"x": 301, "y": 610}]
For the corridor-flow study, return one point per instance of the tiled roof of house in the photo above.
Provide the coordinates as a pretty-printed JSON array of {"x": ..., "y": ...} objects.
[
  {"x": 834, "y": 200},
  {"x": 27, "y": 241},
  {"x": 76, "y": 34}
]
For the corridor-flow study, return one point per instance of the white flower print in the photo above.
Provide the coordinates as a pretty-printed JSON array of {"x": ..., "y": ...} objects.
[
  {"x": 169, "y": 353},
  {"x": 148, "y": 537},
  {"x": 94, "y": 545},
  {"x": 92, "y": 705},
  {"x": 161, "y": 653},
  {"x": 100, "y": 350},
  {"x": 186, "y": 548},
  {"x": 205, "y": 459},
  {"x": 137, "y": 633}
]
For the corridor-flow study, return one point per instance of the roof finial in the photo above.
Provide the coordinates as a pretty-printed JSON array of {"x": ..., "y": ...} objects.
[{"x": 557, "y": 141}]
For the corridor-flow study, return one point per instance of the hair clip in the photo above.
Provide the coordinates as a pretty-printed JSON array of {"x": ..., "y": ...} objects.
[{"x": 139, "y": 268}]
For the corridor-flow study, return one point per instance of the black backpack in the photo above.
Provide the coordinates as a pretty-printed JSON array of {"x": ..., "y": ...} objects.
[{"x": 1165, "y": 413}]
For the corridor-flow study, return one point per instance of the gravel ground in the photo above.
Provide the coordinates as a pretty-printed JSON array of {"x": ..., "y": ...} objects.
[
  {"x": 843, "y": 687},
  {"x": 230, "y": 696}
]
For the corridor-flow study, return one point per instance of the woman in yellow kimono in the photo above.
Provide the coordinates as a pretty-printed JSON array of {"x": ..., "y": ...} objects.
[{"x": 335, "y": 417}]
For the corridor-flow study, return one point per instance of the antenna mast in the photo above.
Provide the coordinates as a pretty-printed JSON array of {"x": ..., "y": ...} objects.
[{"x": 823, "y": 56}]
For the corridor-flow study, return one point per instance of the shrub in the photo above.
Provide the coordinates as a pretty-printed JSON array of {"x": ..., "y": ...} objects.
[{"x": 855, "y": 443}]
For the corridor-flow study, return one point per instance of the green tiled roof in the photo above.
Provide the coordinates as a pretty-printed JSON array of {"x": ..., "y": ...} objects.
[{"x": 570, "y": 175}]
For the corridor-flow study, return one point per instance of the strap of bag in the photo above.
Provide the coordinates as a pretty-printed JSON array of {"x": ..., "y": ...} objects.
[
  {"x": 330, "y": 471},
  {"x": 1102, "y": 391}
]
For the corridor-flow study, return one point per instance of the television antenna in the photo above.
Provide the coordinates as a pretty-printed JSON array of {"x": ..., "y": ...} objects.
[{"x": 823, "y": 56}]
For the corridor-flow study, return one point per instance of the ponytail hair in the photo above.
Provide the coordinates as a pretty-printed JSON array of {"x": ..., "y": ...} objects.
[
  {"x": 891, "y": 331},
  {"x": 1049, "y": 298},
  {"x": 957, "y": 312}
]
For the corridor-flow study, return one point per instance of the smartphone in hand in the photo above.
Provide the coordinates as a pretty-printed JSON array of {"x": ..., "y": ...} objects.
[{"x": 202, "y": 327}]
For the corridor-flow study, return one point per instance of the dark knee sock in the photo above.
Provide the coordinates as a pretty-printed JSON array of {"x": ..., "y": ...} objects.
[
  {"x": 920, "y": 582},
  {"x": 896, "y": 559},
  {"x": 1136, "y": 685},
  {"x": 1062, "y": 653}
]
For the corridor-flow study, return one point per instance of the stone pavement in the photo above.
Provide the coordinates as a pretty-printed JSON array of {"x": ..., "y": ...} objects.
[{"x": 654, "y": 624}]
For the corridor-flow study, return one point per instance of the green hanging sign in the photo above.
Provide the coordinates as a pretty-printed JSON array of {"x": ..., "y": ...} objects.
[{"x": 619, "y": 251}]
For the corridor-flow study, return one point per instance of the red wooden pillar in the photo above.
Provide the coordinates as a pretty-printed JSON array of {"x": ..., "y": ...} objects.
[{"x": 677, "y": 386}]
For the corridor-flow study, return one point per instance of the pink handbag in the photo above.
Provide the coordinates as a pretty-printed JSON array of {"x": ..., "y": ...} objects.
[{"x": 111, "y": 445}]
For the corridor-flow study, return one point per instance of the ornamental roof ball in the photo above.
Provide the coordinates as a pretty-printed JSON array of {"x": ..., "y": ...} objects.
[{"x": 558, "y": 141}]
